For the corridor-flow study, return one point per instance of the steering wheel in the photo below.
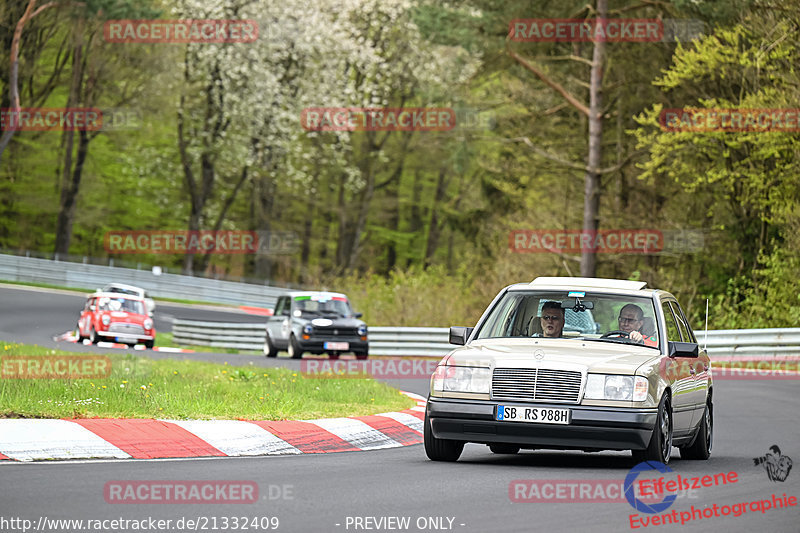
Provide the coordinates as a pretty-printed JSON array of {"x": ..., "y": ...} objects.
[{"x": 616, "y": 333}]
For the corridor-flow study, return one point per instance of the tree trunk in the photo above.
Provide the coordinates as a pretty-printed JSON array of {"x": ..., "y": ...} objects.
[
  {"x": 591, "y": 191},
  {"x": 434, "y": 230},
  {"x": 416, "y": 215},
  {"x": 70, "y": 180}
]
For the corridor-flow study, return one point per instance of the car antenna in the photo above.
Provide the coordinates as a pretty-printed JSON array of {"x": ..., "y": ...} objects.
[{"x": 706, "y": 339}]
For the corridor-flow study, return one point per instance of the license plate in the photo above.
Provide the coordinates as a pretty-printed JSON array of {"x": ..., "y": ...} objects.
[
  {"x": 539, "y": 415},
  {"x": 337, "y": 346}
]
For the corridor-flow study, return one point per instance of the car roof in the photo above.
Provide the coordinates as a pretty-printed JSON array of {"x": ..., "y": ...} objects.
[
  {"x": 116, "y": 295},
  {"x": 317, "y": 293},
  {"x": 612, "y": 286},
  {"x": 124, "y": 286}
]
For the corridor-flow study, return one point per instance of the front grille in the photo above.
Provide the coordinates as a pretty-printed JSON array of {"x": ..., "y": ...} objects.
[
  {"x": 123, "y": 327},
  {"x": 336, "y": 332},
  {"x": 542, "y": 384}
]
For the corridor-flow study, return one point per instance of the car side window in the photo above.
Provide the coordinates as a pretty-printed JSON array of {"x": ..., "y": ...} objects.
[
  {"x": 279, "y": 306},
  {"x": 679, "y": 312},
  {"x": 676, "y": 310},
  {"x": 673, "y": 334}
]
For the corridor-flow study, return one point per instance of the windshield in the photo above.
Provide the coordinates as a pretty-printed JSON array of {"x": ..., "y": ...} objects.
[
  {"x": 322, "y": 306},
  {"x": 571, "y": 314},
  {"x": 121, "y": 304}
]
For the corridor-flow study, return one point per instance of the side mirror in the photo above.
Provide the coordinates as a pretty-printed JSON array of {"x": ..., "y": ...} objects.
[
  {"x": 358, "y": 315},
  {"x": 459, "y": 335},
  {"x": 683, "y": 349}
]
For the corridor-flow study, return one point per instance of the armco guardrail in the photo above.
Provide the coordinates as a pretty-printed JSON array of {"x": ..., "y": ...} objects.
[
  {"x": 91, "y": 277},
  {"x": 433, "y": 342}
]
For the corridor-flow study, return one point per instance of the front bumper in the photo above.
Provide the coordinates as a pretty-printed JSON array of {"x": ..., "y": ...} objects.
[
  {"x": 317, "y": 344},
  {"x": 125, "y": 336},
  {"x": 602, "y": 428}
]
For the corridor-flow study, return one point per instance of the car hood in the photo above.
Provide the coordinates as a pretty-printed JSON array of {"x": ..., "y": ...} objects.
[
  {"x": 120, "y": 316},
  {"x": 331, "y": 322},
  {"x": 594, "y": 356}
]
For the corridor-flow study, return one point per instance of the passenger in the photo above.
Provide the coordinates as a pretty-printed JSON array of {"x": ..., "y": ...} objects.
[
  {"x": 552, "y": 319},
  {"x": 631, "y": 320}
]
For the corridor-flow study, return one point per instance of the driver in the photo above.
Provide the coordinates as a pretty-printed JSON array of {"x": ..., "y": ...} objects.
[
  {"x": 552, "y": 319},
  {"x": 631, "y": 320}
]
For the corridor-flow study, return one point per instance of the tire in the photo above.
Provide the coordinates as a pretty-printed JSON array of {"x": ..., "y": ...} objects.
[
  {"x": 269, "y": 348},
  {"x": 361, "y": 355},
  {"x": 504, "y": 449},
  {"x": 149, "y": 344},
  {"x": 78, "y": 334},
  {"x": 700, "y": 449},
  {"x": 93, "y": 338},
  {"x": 440, "y": 449},
  {"x": 660, "y": 447},
  {"x": 294, "y": 348}
]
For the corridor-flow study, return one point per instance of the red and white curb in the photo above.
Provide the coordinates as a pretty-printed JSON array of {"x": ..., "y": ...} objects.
[
  {"x": 93, "y": 438},
  {"x": 70, "y": 337}
]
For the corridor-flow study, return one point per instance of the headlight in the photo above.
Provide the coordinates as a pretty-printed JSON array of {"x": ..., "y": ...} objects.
[
  {"x": 462, "y": 379},
  {"x": 106, "y": 320},
  {"x": 148, "y": 324},
  {"x": 362, "y": 331},
  {"x": 308, "y": 329},
  {"x": 605, "y": 387}
]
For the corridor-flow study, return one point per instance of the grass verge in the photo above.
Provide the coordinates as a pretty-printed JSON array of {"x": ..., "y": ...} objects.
[{"x": 139, "y": 387}]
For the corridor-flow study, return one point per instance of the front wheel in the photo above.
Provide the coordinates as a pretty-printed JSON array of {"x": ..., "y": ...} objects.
[
  {"x": 700, "y": 449},
  {"x": 294, "y": 348},
  {"x": 660, "y": 447},
  {"x": 361, "y": 355},
  {"x": 149, "y": 344},
  {"x": 440, "y": 449},
  {"x": 93, "y": 337},
  {"x": 269, "y": 348}
]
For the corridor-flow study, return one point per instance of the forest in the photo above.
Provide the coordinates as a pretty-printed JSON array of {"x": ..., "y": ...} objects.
[{"x": 616, "y": 138}]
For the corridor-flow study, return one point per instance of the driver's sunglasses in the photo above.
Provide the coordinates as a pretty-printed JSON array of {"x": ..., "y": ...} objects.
[
  {"x": 551, "y": 317},
  {"x": 624, "y": 320}
]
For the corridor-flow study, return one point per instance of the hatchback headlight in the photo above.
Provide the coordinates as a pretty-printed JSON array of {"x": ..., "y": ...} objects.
[
  {"x": 612, "y": 387},
  {"x": 106, "y": 320},
  {"x": 148, "y": 324},
  {"x": 462, "y": 379},
  {"x": 308, "y": 329},
  {"x": 362, "y": 331}
]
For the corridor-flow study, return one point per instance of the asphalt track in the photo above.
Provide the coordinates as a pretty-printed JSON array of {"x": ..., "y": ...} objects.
[{"x": 353, "y": 491}]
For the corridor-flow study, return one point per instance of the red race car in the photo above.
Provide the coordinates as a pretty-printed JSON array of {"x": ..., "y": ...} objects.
[{"x": 116, "y": 317}]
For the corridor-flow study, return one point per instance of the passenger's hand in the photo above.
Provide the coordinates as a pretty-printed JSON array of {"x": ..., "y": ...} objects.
[{"x": 635, "y": 336}]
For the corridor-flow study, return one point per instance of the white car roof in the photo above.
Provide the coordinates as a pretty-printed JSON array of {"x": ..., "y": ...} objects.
[
  {"x": 124, "y": 286},
  {"x": 608, "y": 286},
  {"x": 594, "y": 283},
  {"x": 318, "y": 293}
]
